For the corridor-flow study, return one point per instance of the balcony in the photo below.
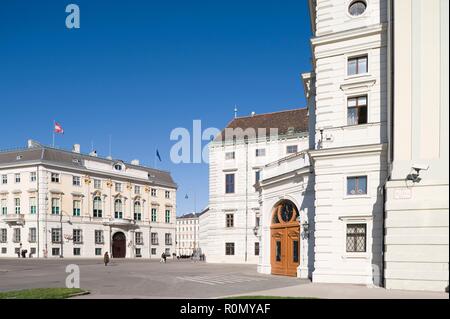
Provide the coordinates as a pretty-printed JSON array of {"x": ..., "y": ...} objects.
[{"x": 14, "y": 219}]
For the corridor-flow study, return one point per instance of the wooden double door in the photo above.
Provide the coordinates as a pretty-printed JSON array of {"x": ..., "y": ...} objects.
[
  {"x": 285, "y": 249},
  {"x": 119, "y": 246}
]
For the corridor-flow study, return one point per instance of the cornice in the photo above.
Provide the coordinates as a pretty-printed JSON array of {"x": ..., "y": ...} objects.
[{"x": 349, "y": 34}]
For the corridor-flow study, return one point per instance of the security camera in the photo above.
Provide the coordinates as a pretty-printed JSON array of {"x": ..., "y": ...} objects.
[
  {"x": 420, "y": 167},
  {"x": 415, "y": 176}
]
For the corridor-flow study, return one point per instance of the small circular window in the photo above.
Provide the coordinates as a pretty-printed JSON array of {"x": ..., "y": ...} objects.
[{"x": 357, "y": 8}]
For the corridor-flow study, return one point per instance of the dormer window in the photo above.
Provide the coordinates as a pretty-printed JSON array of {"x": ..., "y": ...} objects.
[{"x": 118, "y": 167}]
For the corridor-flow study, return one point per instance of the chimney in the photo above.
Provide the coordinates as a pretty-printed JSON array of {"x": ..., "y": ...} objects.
[
  {"x": 32, "y": 144},
  {"x": 135, "y": 162},
  {"x": 253, "y": 114},
  {"x": 93, "y": 153},
  {"x": 109, "y": 158},
  {"x": 76, "y": 148}
]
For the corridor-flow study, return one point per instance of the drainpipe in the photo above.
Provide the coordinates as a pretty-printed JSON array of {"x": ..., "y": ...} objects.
[{"x": 246, "y": 199}]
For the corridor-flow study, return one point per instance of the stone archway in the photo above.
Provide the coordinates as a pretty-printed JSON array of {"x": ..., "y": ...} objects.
[
  {"x": 285, "y": 239},
  {"x": 119, "y": 246}
]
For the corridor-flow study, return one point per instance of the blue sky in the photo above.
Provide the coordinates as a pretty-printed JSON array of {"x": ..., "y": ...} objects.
[{"x": 138, "y": 69}]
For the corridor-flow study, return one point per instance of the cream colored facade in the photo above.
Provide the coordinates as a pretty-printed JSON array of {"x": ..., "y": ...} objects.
[
  {"x": 187, "y": 234},
  {"x": 71, "y": 205}
]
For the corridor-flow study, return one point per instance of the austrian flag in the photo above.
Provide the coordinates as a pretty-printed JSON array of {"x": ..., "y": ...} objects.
[{"x": 58, "y": 128}]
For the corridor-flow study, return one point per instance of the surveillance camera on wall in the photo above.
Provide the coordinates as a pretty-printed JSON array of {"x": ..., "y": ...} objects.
[
  {"x": 415, "y": 176},
  {"x": 420, "y": 167}
]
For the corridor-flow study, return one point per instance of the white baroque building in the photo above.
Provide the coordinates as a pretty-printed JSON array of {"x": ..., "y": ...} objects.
[
  {"x": 188, "y": 234},
  {"x": 55, "y": 203},
  {"x": 365, "y": 201}
]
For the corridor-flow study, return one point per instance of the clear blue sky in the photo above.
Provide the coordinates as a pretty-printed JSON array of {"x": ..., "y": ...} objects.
[{"x": 138, "y": 69}]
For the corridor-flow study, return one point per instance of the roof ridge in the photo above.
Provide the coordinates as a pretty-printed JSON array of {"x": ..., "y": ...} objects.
[{"x": 270, "y": 113}]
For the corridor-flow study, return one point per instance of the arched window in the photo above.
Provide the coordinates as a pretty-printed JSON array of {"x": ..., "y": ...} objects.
[
  {"x": 285, "y": 212},
  {"x": 357, "y": 8},
  {"x": 118, "y": 210},
  {"x": 98, "y": 213},
  {"x": 137, "y": 211}
]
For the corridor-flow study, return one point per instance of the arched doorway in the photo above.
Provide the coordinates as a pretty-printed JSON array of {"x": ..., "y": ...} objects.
[
  {"x": 285, "y": 239},
  {"x": 119, "y": 246}
]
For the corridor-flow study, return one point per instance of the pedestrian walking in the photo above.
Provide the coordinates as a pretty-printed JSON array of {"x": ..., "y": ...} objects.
[
  {"x": 106, "y": 259},
  {"x": 163, "y": 258}
]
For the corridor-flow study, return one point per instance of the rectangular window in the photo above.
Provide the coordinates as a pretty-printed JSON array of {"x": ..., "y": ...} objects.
[
  {"x": 32, "y": 235},
  {"x": 256, "y": 249},
  {"x": 77, "y": 236},
  {"x": 55, "y": 252},
  {"x": 4, "y": 179},
  {"x": 97, "y": 184},
  {"x": 257, "y": 176},
  {"x": 3, "y": 235},
  {"x": 76, "y": 181},
  {"x": 33, "y": 206},
  {"x": 357, "y": 110},
  {"x": 155, "y": 239},
  {"x": 77, "y": 208},
  {"x": 33, "y": 177},
  {"x": 17, "y": 205},
  {"x": 98, "y": 251},
  {"x": 118, "y": 187},
  {"x": 154, "y": 192},
  {"x": 4, "y": 250},
  {"x": 17, "y": 178},
  {"x": 153, "y": 251},
  {"x": 229, "y": 249},
  {"x": 168, "y": 239},
  {"x": 260, "y": 152},
  {"x": 77, "y": 251},
  {"x": 230, "y": 155},
  {"x": 357, "y": 185},
  {"x": 56, "y": 235},
  {"x": 99, "y": 239},
  {"x": 137, "y": 190},
  {"x": 357, "y": 65},
  {"x": 56, "y": 206},
  {"x": 16, "y": 235},
  {"x": 154, "y": 215},
  {"x": 4, "y": 206},
  {"x": 138, "y": 253},
  {"x": 356, "y": 238},
  {"x": 55, "y": 178},
  {"x": 139, "y": 238},
  {"x": 167, "y": 194},
  {"x": 167, "y": 216},
  {"x": 229, "y": 183},
  {"x": 230, "y": 220},
  {"x": 291, "y": 149}
]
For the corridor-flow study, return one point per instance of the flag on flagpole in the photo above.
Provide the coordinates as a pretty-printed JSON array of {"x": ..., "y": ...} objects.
[
  {"x": 158, "y": 155},
  {"x": 58, "y": 128}
]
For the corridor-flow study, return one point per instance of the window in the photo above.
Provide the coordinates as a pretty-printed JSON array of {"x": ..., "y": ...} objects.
[
  {"x": 167, "y": 216},
  {"x": 139, "y": 238},
  {"x": 230, "y": 220},
  {"x": 138, "y": 253},
  {"x": 17, "y": 178},
  {"x": 33, "y": 176},
  {"x": 137, "y": 211},
  {"x": 154, "y": 215},
  {"x": 357, "y": 110},
  {"x": 56, "y": 235},
  {"x": 229, "y": 183},
  {"x": 167, "y": 194},
  {"x": 357, "y": 185},
  {"x": 16, "y": 235},
  {"x": 98, "y": 251},
  {"x": 357, "y": 8},
  {"x": 4, "y": 250},
  {"x": 291, "y": 149},
  {"x": 168, "y": 239},
  {"x": 77, "y": 236},
  {"x": 76, "y": 208},
  {"x": 32, "y": 251},
  {"x": 33, "y": 207},
  {"x": 257, "y": 176},
  {"x": 118, "y": 167},
  {"x": 167, "y": 252},
  {"x": 17, "y": 205},
  {"x": 4, "y": 179},
  {"x": 154, "y": 193},
  {"x": 137, "y": 190},
  {"x": 155, "y": 239},
  {"x": 356, "y": 238},
  {"x": 229, "y": 249},
  {"x": 153, "y": 251},
  {"x": 256, "y": 249},
  {"x": 55, "y": 252},
  {"x": 357, "y": 65},
  {"x": 4, "y": 206},
  {"x": 32, "y": 235},
  {"x": 257, "y": 221},
  {"x": 260, "y": 152},
  {"x": 97, "y": 184},
  {"x": 76, "y": 181},
  {"x": 99, "y": 239},
  {"x": 3, "y": 235},
  {"x": 118, "y": 210},
  {"x": 77, "y": 251},
  {"x": 98, "y": 213},
  {"x": 56, "y": 206},
  {"x": 118, "y": 187},
  {"x": 55, "y": 178},
  {"x": 230, "y": 155}
]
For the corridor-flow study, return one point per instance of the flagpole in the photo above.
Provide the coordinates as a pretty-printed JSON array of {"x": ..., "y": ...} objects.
[
  {"x": 53, "y": 130},
  {"x": 155, "y": 158}
]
